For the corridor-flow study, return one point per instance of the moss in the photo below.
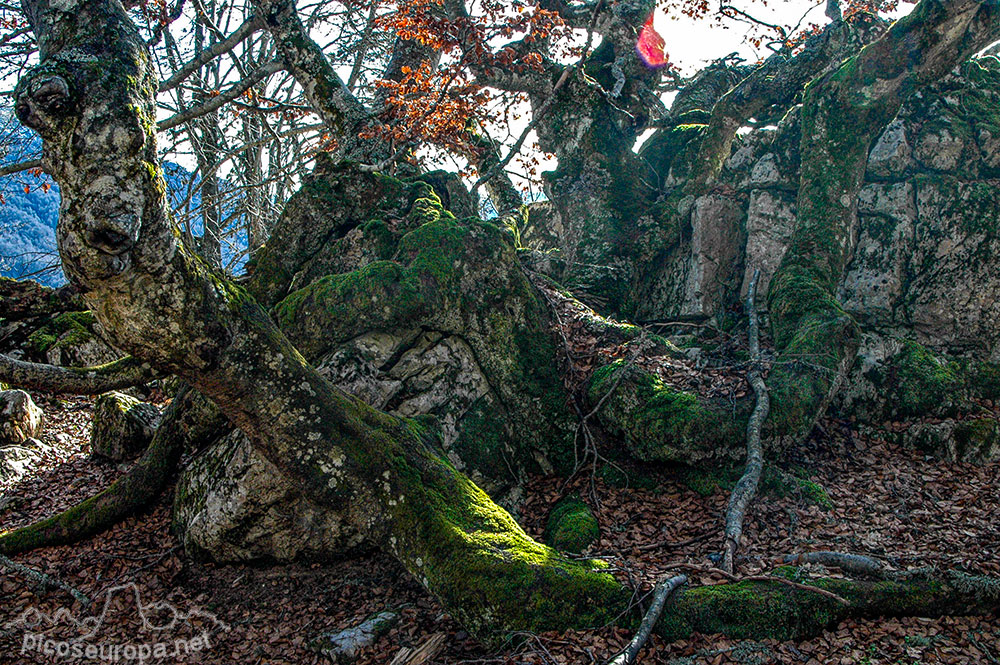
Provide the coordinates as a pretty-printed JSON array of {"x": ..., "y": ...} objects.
[
  {"x": 65, "y": 330},
  {"x": 921, "y": 383},
  {"x": 748, "y": 610},
  {"x": 660, "y": 423},
  {"x": 774, "y": 482},
  {"x": 571, "y": 526},
  {"x": 490, "y": 575},
  {"x": 976, "y": 439}
]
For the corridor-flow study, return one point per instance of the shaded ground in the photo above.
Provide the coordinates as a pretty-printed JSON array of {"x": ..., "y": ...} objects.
[{"x": 885, "y": 501}]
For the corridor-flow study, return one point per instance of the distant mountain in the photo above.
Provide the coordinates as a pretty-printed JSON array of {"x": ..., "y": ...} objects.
[{"x": 29, "y": 211}]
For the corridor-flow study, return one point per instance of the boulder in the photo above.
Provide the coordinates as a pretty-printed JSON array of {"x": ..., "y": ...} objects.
[
  {"x": 18, "y": 459},
  {"x": 232, "y": 505},
  {"x": 20, "y": 419},
  {"x": 123, "y": 426}
]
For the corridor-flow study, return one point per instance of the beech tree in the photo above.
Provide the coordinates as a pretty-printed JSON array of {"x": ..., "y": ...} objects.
[{"x": 412, "y": 255}]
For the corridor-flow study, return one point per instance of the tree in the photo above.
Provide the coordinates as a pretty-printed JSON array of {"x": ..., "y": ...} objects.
[{"x": 92, "y": 99}]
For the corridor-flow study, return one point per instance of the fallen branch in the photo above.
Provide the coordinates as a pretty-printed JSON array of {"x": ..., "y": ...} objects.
[
  {"x": 125, "y": 372},
  {"x": 43, "y": 580},
  {"x": 853, "y": 564},
  {"x": 660, "y": 595},
  {"x": 746, "y": 488}
]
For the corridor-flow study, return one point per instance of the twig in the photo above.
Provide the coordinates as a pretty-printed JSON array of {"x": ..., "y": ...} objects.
[
  {"x": 43, "y": 580},
  {"x": 660, "y": 595},
  {"x": 746, "y": 488}
]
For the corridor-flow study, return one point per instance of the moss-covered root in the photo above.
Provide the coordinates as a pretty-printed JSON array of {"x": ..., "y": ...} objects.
[
  {"x": 471, "y": 554},
  {"x": 571, "y": 526},
  {"x": 190, "y": 420},
  {"x": 772, "y": 610}
]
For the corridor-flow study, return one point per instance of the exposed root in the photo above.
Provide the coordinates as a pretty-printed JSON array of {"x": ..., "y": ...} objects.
[
  {"x": 125, "y": 372},
  {"x": 42, "y": 579},
  {"x": 190, "y": 419},
  {"x": 661, "y": 593},
  {"x": 852, "y": 564},
  {"x": 746, "y": 488}
]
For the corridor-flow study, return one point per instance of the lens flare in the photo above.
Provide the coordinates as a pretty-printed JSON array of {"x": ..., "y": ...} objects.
[{"x": 650, "y": 46}]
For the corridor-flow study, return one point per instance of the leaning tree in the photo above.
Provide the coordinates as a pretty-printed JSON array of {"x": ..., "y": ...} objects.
[{"x": 372, "y": 246}]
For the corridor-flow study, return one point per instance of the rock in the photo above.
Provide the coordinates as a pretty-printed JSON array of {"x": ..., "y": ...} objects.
[
  {"x": 770, "y": 221},
  {"x": 17, "y": 460},
  {"x": 715, "y": 263},
  {"x": 20, "y": 419},
  {"x": 891, "y": 155},
  {"x": 571, "y": 526},
  {"x": 343, "y": 646},
  {"x": 123, "y": 426},
  {"x": 70, "y": 339},
  {"x": 976, "y": 441},
  {"x": 939, "y": 149},
  {"x": 233, "y": 505}
]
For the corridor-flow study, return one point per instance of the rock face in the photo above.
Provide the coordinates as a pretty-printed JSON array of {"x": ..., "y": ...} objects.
[
  {"x": 414, "y": 311},
  {"x": 123, "y": 426},
  {"x": 923, "y": 269},
  {"x": 20, "y": 419}
]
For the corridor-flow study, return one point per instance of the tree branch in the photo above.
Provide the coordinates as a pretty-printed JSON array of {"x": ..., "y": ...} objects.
[
  {"x": 125, "y": 372},
  {"x": 249, "y": 26}
]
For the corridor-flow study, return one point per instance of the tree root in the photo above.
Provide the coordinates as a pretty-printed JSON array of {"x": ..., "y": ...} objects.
[
  {"x": 660, "y": 595},
  {"x": 764, "y": 608},
  {"x": 746, "y": 488},
  {"x": 852, "y": 564},
  {"x": 190, "y": 419},
  {"x": 125, "y": 372},
  {"x": 44, "y": 580}
]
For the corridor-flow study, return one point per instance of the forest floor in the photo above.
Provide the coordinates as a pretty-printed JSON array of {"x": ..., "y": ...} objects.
[{"x": 839, "y": 491}]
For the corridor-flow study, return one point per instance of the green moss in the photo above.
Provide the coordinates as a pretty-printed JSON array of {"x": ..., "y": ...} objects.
[
  {"x": 65, "y": 330},
  {"x": 976, "y": 439},
  {"x": 773, "y": 482},
  {"x": 571, "y": 526},
  {"x": 748, "y": 610},
  {"x": 921, "y": 383},
  {"x": 493, "y": 578},
  {"x": 663, "y": 424}
]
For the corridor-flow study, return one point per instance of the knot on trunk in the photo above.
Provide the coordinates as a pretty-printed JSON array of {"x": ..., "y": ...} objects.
[{"x": 43, "y": 96}]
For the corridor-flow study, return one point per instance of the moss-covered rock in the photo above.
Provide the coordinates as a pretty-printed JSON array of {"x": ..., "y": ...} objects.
[
  {"x": 571, "y": 526},
  {"x": 418, "y": 313},
  {"x": 123, "y": 426},
  {"x": 664, "y": 424}
]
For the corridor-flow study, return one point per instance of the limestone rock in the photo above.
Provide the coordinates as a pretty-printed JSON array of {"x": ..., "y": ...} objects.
[
  {"x": 891, "y": 155},
  {"x": 232, "y": 505},
  {"x": 18, "y": 459},
  {"x": 20, "y": 419},
  {"x": 123, "y": 426}
]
